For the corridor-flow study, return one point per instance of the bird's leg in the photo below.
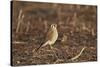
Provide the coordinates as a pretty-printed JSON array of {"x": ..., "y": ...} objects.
[{"x": 51, "y": 47}]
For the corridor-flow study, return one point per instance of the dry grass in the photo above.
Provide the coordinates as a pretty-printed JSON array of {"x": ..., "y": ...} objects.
[{"x": 77, "y": 28}]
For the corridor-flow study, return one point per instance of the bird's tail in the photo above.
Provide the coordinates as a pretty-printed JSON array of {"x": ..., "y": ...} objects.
[
  {"x": 38, "y": 48},
  {"x": 42, "y": 45}
]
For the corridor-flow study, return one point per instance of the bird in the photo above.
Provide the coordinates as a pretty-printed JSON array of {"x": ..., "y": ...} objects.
[{"x": 51, "y": 37}]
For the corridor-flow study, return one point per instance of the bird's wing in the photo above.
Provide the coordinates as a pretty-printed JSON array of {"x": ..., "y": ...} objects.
[
  {"x": 49, "y": 34},
  {"x": 42, "y": 45}
]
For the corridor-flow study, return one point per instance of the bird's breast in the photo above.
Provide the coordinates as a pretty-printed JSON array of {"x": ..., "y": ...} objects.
[{"x": 54, "y": 37}]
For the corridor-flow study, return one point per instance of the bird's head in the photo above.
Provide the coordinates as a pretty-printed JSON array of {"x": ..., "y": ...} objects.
[{"x": 54, "y": 26}]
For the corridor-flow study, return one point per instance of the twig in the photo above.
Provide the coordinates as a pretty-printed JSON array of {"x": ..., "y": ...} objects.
[
  {"x": 45, "y": 25},
  {"x": 20, "y": 18},
  {"x": 18, "y": 42},
  {"x": 58, "y": 60},
  {"x": 27, "y": 28},
  {"x": 77, "y": 56}
]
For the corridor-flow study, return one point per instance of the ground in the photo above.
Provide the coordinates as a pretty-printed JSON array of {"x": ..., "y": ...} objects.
[{"x": 76, "y": 25}]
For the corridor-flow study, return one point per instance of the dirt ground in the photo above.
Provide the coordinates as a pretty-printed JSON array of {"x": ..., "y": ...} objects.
[{"x": 76, "y": 25}]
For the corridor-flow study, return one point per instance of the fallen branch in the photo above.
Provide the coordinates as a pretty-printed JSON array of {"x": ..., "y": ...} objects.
[{"x": 77, "y": 56}]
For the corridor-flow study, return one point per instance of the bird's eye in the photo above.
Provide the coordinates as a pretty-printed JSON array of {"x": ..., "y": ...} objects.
[
  {"x": 52, "y": 25},
  {"x": 55, "y": 25}
]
